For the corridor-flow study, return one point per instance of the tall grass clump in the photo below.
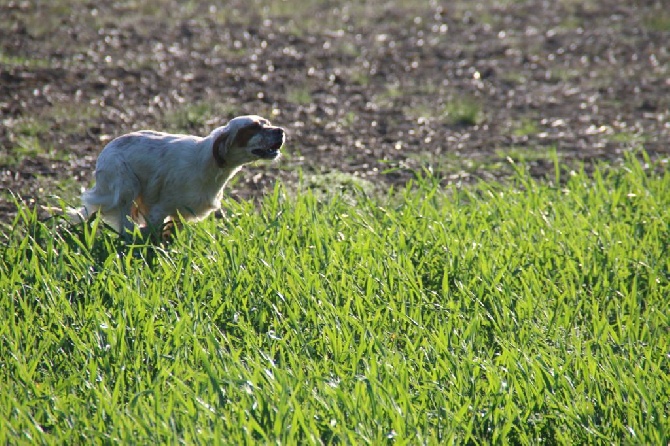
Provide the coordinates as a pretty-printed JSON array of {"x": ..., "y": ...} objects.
[{"x": 533, "y": 312}]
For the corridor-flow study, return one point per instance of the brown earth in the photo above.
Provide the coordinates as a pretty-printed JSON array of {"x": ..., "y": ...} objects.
[{"x": 376, "y": 91}]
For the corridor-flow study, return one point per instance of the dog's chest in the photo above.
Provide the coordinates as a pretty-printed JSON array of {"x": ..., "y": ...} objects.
[{"x": 199, "y": 201}]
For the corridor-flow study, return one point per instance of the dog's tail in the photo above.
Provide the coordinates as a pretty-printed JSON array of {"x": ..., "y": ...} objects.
[
  {"x": 77, "y": 215},
  {"x": 73, "y": 215}
]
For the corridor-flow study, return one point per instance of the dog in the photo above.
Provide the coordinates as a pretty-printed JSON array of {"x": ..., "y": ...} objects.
[{"x": 149, "y": 178}]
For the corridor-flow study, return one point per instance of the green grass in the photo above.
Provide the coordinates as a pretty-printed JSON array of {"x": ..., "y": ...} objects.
[
  {"x": 658, "y": 21},
  {"x": 520, "y": 313},
  {"x": 21, "y": 61},
  {"x": 526, "y": 127},
  {"x": 24, "y": 147},
  {"x": 299, "y": 95},
  {"x": 34, "y": 135},
  {"x": 189, "y": 117},
  {"x": 464, "y": 111}
]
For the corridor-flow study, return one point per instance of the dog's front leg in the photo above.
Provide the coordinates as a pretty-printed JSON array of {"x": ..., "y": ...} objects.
[
  {"x": 171, "y": 225},
  {"x": 156, "y": 226}
]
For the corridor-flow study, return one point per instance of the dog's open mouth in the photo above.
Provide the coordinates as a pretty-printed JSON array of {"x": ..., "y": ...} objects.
[{"x": 269, "y": 153}]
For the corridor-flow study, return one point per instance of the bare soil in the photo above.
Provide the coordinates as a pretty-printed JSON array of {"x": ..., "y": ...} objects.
[{"x": 372, "y": 92}]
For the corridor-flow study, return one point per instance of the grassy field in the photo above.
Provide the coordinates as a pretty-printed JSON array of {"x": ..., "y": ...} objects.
[{"x": 521, "y": 313}]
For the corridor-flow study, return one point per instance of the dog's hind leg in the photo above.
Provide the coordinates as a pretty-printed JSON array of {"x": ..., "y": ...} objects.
[{"x": 113, "y": 196}]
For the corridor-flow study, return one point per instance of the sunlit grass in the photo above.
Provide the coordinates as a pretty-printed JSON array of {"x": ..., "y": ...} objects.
[{"x": 523, "y": 313}]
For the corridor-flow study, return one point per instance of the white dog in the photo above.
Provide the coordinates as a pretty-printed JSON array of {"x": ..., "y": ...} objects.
[{"x": 150, "y": 178}]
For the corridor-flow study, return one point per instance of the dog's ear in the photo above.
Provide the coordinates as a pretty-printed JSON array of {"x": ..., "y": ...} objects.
[{"x": 220, "y": 148}]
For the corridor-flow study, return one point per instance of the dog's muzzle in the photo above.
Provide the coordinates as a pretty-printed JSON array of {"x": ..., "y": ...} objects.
[{"x": 271, "y": 152}]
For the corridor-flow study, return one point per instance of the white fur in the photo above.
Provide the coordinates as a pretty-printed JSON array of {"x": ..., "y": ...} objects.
[{"x": 149, "y": 177}]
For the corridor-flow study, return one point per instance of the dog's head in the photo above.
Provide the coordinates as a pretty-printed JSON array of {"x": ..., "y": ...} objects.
[{"x": 245, "y": 139}]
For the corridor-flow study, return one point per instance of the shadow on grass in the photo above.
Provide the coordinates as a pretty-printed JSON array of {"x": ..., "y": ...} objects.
[{"x": 56, "y": 239}]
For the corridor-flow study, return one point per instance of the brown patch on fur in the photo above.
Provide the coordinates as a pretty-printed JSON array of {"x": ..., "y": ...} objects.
[
  {"x": 216, "y": 149},
  {"x": 245, "y": 134},
  {"x": 138, "y": 209}
]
